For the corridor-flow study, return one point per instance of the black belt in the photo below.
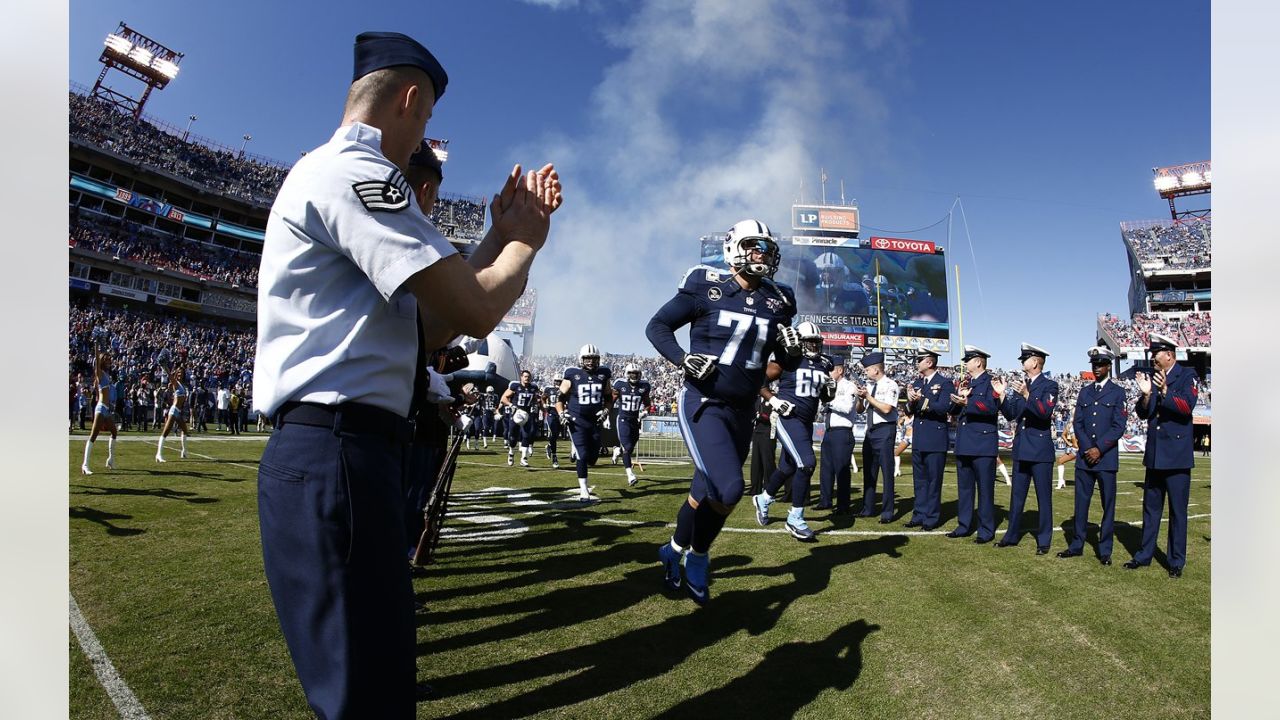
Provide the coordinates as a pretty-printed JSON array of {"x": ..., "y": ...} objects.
[{"x": 349, "y": 418}]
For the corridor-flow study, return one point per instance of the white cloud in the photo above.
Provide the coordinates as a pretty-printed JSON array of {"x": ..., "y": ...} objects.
[
  {"x": 553, "y": 4},
  {"x": 715, "y": 113}
]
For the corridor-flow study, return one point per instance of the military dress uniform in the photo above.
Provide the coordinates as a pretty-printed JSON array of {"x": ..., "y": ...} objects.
[
  {"x": 1098, "y": 422},
  {"x": 878, "y": 443},
  {"x": 930, "y": 441},
  {"x": 1169, "y": 457},
  {"x": 977, "y": 443},
  {"x": 336, "y": 367},
  {"x": 837, "y": 449},
  {"x": 1033, "y": 453}
]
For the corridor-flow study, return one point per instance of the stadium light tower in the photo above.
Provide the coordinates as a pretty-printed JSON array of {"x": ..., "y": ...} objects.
[
  {"x": 1178, "y": 181},
  {"x": 185, "y": 133},
  {"x": 141, "y": 58},
  {"x": 247, "y": 137}
]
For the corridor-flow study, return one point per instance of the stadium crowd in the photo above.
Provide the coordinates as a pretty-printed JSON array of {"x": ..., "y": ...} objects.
[
  {"x": 144, "y": 348},
  {"x": 97, "y": 122},
  {"x": 1191, "y": 330},
  {"x": 127, "y": 240},
  {"x": 459, "y": 218},
  {"x": 1185, "y": 244}
]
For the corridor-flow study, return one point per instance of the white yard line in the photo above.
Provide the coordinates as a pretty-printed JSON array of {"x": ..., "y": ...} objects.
[{"x": 123, "y": 698}]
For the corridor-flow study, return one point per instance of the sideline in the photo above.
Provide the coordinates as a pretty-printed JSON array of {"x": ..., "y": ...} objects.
[{"x": 123, "y": 698}]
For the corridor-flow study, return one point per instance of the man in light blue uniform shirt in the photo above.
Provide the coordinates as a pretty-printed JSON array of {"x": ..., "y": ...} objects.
[{"x": 348, "y": 265}]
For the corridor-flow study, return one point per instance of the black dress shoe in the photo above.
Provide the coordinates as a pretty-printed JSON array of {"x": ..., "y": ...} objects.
[
  {"x": 1104, "y": 559},
  {"x": 1175, "y": 572},
  {"x": 982, "y": 541},
  {"x": 957, "y": 534},
  {"x": 866, "y": 514},
  {"x": 1003, "y": 544},
  {"x": 885, "y": 521},
  {"x": 822, "y": 507},
  {"x": 1069, "y": 553},
  {"x": 912, "y": 524},
  {"x": 1042, "y": 550},
  {"x": 1134, "y": 565},
  {"x": 928, "y": 528}
]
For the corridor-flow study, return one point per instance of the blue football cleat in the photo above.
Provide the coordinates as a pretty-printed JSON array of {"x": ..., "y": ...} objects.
[
  {"x": 798, "y": 528},
  {"x": 762, "y": 503},
  {"x": 670, "y": 558},
  {"x": 697, "y": 568}
]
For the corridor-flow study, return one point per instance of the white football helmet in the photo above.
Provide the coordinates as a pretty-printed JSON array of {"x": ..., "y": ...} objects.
[
  {"x": 489, "y": 389},
  {"x": 810, "y": 339},
  {"x": 520, "y": 417},
  {"x": 589, "y": 356},
  {"x": 832, "y": 272},
  {"x": 630, "y": 369},
  {"x": 750, "y": 235}
]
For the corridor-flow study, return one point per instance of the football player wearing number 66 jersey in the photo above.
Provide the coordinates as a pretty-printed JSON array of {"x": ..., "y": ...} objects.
[
  {"x": 802, "y": 382},
  {"x": 585, "y": 399},
  {"x": 736, "y": 320},
  {"x": 632, "y": 398}
]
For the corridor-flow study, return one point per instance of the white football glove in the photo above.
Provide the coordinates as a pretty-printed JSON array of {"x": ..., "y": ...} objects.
[
  {"x": 602, "y": 414},
  {"x": 606, "y": 423},
  {"x": 699, "y": 365},
  {"x": 790, "y": 339},
  {"x": 780, "y": 406}
]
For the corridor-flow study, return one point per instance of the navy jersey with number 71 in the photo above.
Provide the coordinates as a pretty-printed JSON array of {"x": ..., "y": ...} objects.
[{"x": 737, "y": 326}]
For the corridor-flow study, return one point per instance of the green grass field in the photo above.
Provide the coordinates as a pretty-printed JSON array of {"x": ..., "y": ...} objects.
[{"x": 539, "y": 607}]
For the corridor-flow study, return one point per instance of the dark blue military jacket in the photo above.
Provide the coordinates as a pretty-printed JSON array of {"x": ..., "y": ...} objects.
[
  {"x": 1168, "y": 416},
  {"x": 1033, "y": 417}
]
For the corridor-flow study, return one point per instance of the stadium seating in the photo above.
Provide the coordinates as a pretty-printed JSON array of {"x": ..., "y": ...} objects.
[{"x": 1168, "y": 245}]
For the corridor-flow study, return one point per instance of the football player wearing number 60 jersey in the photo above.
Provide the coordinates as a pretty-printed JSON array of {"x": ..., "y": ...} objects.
[
  {"x": 585, "y": 399},
  {"x": 802, "y": 382},
  {"x": 632, "y": 398},
  {"x": 736, "y": 320}
]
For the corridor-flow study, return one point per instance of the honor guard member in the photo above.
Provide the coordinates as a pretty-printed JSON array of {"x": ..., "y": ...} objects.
[
  {"x": 549, "y": 396},
  {"x": 928, "y": 401},
  {"x": 837, "y": 444},
  {"x": 348, "y": 262},
  {"x": 631, "y": 397},
  {"x": 803, "y": 382},
  {"x": 976, "y": 405},
  {"x": 521, "y": 397},
  {"x": 1168, "y": 397},
  {"x": 1098, "y": 424},
  {"x": 1029, "y": 406},
  {"x": 737, "y": 320},
  {"x": 585, "y": 399},
  {"x": 879, "y": 400}
]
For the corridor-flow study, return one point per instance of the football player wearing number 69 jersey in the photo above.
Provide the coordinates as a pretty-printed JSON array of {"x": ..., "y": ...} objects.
[
  {"x": 802, "y": 382},
  {"x": 632, "y": 398},
  {"x": 585, "y": 399},
  {"x": 736, "y": 320}
]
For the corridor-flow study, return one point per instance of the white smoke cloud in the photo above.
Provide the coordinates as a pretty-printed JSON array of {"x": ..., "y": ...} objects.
[{"x": 714, "y": 114}]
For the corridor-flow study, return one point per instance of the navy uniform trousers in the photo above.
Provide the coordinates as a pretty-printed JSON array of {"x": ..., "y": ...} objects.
[
  {"x": 926, "y": 471},
  {"x": 586, "y": 441},
  {"x": 974, "y": 472},
  {"x": 553, "y": 431},
  {"x": 877, "y": 458},
  {"x": 330, "y": 506},
  {"x": 837, "y": 453},
  {"x": 719, "y": 437},
  {"x": 797, "y": 461},
  {"x": 1176, "y": 484},
  {"x": 628, "y": 436},
  {"x": 1106, "y": 482},
  {"x": 1025, "y": 472},
  {"x": 522, "y": 434}
]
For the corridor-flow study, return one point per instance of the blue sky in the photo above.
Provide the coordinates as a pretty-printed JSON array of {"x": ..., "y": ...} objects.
[{"x": 670, "y": 120}]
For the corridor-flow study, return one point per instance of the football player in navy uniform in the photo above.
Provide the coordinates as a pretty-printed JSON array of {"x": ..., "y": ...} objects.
[
  {"x": 522, "y": 397},
  {"x": 1168, "y": 397},
  {"x": 1098, "y": 425},
  {"x": 737, "y": 320},
  {"x": 585, "y": 400},
  {"x": 928, "y": 402},
  {"x": 803, "y": 382},
  {"x": 879, "y": 400},
  {"x": 631, "y": 396},
  {"x": 488, "y": 406},
  {"x": 836, "y": 292},
  {"x": 549, "y": 396},
  {"x": 977, "y": 408},
  {"x": 1030, "y": 408}
]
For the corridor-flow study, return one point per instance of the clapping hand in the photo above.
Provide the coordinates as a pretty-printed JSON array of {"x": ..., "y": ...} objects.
[
  {"x": 860, "y": 390},
  {"x": 1158, "y": 381},
  {"x": 1144, "y": 382},
  {"x": 998, "y": 386},
  {"x": 913, "y": 393},
  {"x": 961, "y": 396},
  {"x": 521, "y": 211}
]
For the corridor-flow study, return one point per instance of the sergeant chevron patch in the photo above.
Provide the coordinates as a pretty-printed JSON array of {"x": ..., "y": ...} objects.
[{"x": 384, "y": 195}]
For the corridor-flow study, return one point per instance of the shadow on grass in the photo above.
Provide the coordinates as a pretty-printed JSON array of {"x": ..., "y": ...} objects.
[
  {"x": 1130, "y": 536},
  {"x": 654, "y": 650},
  {"x": 164, "y": 493},
  {"x": 188, "y": 474},
  {"x": 788, "y": 678},
  {"x": 81, "y": 512}
]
